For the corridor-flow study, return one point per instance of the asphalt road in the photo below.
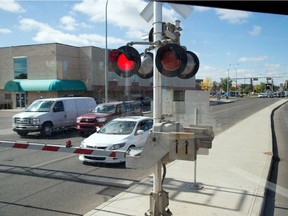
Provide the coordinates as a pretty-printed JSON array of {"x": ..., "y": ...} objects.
[{"x": 43, "y": 183}]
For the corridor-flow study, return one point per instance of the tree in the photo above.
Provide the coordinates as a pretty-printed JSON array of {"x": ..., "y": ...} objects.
[
  {"x": 260, "y": 87},
  {"x": 223, "y": 83},
  {"x": 206, "y": 84}
]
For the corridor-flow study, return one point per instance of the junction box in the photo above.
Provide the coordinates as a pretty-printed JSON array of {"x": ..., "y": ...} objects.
[{"x": 170, "y": 141}]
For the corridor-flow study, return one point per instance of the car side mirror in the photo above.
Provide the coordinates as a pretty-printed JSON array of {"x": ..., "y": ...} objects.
[{"x": 140, "y": 132}]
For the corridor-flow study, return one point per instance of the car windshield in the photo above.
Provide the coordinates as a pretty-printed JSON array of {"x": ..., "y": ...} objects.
[
  {"x": 118, "y": 127},
  {"x": 40, "y": 106},
  {"x": 104, "y": 108}
]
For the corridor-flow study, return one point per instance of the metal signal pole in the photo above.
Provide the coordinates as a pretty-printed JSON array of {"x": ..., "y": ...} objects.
[{"x": 157, "y": 105}]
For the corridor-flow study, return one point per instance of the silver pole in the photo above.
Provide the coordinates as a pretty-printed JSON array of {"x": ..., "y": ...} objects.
[
  {"x": 227, "y": 92},
  {"x": 157, "y": 105},
  {"x": 195, "y": 162},
  {"x": 106, "y": 57},
  {"x": 195, "y": 185}
]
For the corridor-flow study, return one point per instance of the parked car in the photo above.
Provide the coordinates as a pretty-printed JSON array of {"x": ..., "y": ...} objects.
[
  {"x": 145, "y": 101},
  {"x": 47, "y": 115},
  {"x": 262, "y": 95},
  {"x": 118, "y": 134},
  {"x": 89, "y": 122}
]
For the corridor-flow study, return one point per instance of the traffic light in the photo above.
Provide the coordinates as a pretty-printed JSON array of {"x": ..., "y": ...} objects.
[
  {"x": 268, "y": 87},
  {"x": 173, "y": 60},
  {"x": 125, "y": 61}
]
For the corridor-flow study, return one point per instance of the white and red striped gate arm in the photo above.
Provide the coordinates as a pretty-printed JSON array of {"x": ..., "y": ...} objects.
[{"x": 68, "y": 148}]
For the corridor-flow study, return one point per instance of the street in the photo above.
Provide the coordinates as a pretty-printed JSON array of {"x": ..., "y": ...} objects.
[{"x": 45, "y": 183}]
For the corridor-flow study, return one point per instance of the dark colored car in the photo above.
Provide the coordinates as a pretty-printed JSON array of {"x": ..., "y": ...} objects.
[
  {"x": 88, "y": 123},
  {"x": 144, "y": 100}
]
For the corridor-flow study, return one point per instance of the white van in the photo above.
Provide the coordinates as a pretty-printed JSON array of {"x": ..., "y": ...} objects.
[{"x": 47, "y": 115}]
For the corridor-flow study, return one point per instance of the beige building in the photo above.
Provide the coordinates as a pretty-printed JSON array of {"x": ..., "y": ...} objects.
[{"x": 53, "y": 70}]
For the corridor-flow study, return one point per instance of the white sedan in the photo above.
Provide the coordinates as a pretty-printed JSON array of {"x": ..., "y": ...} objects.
[{"x": 119, "y": 134}]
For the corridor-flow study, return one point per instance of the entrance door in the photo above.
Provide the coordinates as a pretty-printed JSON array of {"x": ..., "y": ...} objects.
[{"x": 21, "y": 99}]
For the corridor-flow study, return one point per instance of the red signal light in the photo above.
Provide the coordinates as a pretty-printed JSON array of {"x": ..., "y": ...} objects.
[
  {"x": 171, "y": 60},
  {"x": 125, "y": 61}
]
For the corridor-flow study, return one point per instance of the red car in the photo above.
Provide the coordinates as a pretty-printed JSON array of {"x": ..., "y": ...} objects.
[{"x": 88, "y": 123}]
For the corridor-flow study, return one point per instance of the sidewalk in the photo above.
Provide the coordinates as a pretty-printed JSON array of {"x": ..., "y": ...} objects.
[{"x": 233, "y": 176}]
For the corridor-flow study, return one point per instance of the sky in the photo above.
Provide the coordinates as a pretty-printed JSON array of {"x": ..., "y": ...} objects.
[{"x": 232, "y": 43}]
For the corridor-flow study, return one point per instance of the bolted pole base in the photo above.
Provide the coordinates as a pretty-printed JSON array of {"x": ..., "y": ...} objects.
[{"x": 158, "y": 204}]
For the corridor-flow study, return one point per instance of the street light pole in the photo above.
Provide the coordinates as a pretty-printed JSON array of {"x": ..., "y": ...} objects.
[
  {"x": 236, "y": 81},
  {"x": 106, "y": 57},
  {"x": 227, "y": 91}
]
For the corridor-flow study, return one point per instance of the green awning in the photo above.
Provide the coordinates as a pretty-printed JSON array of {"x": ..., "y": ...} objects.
[{"x": 44, "y": 85}]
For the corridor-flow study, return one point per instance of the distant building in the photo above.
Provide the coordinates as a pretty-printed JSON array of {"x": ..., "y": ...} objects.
[{"x": 53, "y": 70}]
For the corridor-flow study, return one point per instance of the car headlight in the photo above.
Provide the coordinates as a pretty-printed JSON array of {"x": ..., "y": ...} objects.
[
  {"x": 117, "y": 146},
  {"x": 35, "y": 121},
  {"x": 78, "y": 119},
  {"x": 101, "y": 119},
  {"x": 82, "y": 145}
]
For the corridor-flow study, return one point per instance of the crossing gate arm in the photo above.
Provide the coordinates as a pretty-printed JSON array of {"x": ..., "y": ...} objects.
[{"x": 68, "y": 148}]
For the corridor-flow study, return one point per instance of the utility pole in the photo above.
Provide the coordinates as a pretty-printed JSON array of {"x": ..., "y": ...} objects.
[
  {"x": 227, "y": 92},
  {"x": 106, "y": 56}
]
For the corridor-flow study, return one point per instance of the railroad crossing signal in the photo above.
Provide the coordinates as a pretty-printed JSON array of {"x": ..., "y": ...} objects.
[
  {"x": 125, "y": 61},
  {"x": 172, "y": 59}
]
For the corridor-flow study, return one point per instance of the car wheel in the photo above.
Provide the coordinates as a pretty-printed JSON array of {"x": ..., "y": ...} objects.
[
  {"x": 85, "y": 163},
  {"x": 47, "y": 129},
  {"x": 22, "y": 133},
  {"x": 83, "y": 134}
]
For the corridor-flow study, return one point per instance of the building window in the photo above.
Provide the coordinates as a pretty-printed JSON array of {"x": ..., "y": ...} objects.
[
  {"x": 8, "y": 96},
  {"x": 20, "y": 67},
  {"x": 179, "y": 96}
]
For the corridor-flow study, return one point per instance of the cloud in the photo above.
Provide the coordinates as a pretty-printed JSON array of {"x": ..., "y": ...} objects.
[
  {"x": 5, "y": 31},
  {"x": 233, "y": 16},
  {"x": 252, "y": 59},
  {"x": 255, "y": 31},
  {"x": 272, "y": 67},
  {"x": 47, "y": 34},
  {"x": 201, "y": 9},
  {"x": 210, "y": 71},
  {"x": 68, "y": 23},
  {"x": 273, "y": 70},
  {"x": 124, "y": 14},
  {"x": 11, "y": 6},
  {"x": 31, "y": 24},
  {"x": 121, "y": 13}
]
